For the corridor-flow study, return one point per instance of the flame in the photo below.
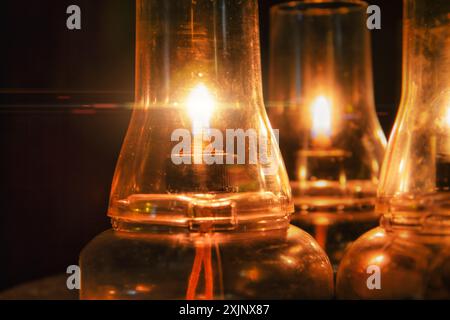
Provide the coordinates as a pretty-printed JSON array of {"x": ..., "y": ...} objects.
[
  {"x": 447, "y": 117},
  {"x": 200, "y": 104},
  {"x": 321, "y": 117}
]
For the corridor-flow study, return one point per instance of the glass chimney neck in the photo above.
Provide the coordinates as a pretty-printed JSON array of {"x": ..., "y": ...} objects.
[
  {"x": 426, "y": 50},
  {"x": 321, "y": 94},
  {"x": 182, "y": 42},
  {"x": 415, "y": 178},
  {"x": 411, "y": 246},
  {"x": 199, "y": 152},
  {"x": 321, "y": 98},
  {"x": 320, "y": 48}
]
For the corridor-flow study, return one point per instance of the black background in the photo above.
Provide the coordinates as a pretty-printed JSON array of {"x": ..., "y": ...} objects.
[{"x": 57, "y": 154}]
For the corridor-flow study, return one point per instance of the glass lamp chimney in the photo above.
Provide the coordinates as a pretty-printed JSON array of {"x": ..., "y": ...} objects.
[
  {"x": 321, "y": 97},
  {"x": 411, "y": 248}
]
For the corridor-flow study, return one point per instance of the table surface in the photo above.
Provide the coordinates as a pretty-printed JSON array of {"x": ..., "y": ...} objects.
[{"x": 51, "y": 288}]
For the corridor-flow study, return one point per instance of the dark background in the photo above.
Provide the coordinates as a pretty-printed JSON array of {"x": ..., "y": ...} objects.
[{"x": 62, "y": 121}]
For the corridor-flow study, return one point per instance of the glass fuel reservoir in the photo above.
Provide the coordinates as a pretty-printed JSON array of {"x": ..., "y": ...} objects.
[{"x": 200, "y": 201}]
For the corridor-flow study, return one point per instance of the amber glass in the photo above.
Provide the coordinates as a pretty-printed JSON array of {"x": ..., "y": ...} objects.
[
  {"x": 321, "y": 99},
  {"x": 411, "y": 248},
  {"x": 210, "y": 219}
]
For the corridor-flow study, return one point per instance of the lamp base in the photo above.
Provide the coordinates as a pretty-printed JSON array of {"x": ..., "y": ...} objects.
[
  {"x": 400, "y": 264},
  {"x": 275, "y": 264}
]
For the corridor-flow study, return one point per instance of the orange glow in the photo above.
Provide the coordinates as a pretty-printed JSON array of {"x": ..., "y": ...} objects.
[
  {"x": 288, "y": 260},
  {"x": 321, "y": 113},
  {"x": 447, "y": 117},
  {"x": 253, "y": 274},
  {"x": 378, "y": 259},
  {"x": 200, "y": 104},
  {"x": 321, "y": 121},
  {"x": 321, "y": 232},
  {"x": 321, "y": 183},
  {"x": 202, "y": 258},
  {"x": 143, "y": 288}
]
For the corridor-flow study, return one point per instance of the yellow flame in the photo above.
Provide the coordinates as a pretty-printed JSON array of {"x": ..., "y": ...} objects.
[
  {"x": 321, "y": 117},
  {"x": 200, "y": 104},
  {"x": 447, "y": 116}
]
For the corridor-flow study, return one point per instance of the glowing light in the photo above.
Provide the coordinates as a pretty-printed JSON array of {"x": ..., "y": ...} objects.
[
  {"x": 200, "y": 104},
  {"x": 402, "y": 165},
  {"x": 378, "y": 259},
  {"x": 321, "y": 183},
  {"x": 288, "y": 260},
  {"x": 382, "y": 137},
  {"x": 253, "y": 274},
  {"x": 447, "y": 116},
  {"x": 321, "y": 117},
  {"x": 143, "y": 288},
  {"x": 322, "y": 221},
  {"x": 303, "y": 173},
  {"x": 379, "y": 234}
]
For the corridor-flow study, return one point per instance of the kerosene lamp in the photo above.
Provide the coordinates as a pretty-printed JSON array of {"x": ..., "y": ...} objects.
[
  {"x": 200, "y": 201},
  {"x": 321, "y": 99},
  {"x": 408, "y": 256}
]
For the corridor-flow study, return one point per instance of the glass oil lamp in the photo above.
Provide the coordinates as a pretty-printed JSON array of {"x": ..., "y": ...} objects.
[
  {"x": 408, "y": 256},
  {"x": 200, "y": 201},
  {"x": 321, "y": 98}
]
